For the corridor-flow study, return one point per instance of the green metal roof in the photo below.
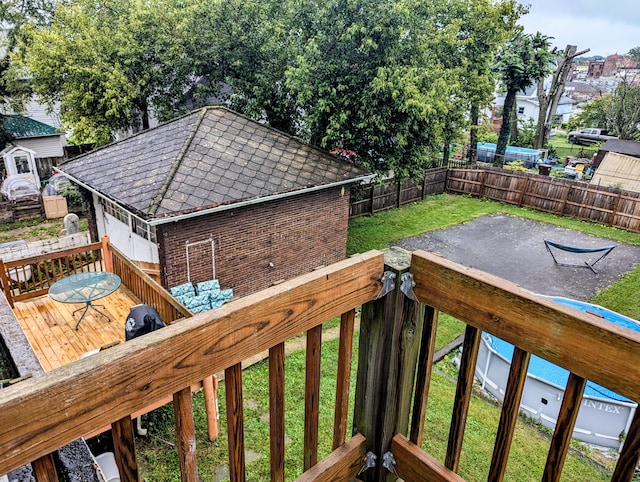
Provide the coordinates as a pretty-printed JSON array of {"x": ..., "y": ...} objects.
[{"x": 20, "y": 127}]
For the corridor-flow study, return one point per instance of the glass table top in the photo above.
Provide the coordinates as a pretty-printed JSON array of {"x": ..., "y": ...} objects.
[{"x": 84, "y": 287}]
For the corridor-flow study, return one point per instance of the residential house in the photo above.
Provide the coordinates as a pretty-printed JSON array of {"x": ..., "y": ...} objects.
[
  {"x": 213, "y": 194},
  {"x": 596, "y": 69},
  {"x": 528, "y": 108},
  {"x": 40, "y": 142}
]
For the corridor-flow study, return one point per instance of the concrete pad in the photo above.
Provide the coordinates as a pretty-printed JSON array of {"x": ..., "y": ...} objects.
[{"x": 513, "y": 248}]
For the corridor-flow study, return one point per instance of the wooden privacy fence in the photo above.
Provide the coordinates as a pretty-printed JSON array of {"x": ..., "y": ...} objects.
[
  {"x": 380, "y": 196},
  {"x": 400, "y": 307},
  {"x": 563, "y": 197}
]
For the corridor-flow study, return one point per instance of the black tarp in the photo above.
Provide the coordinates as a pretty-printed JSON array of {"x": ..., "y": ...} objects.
[{"x": 142, "y": 319}]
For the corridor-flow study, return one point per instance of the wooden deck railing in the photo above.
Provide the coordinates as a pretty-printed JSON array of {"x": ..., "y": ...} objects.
[
  {"x": 145, "y": 288},
  {"x": 562, "y": 335},
  {"x": 40, "y": 272},
  {"x": 398, "y": 324},
  {"x": 28, "y": 278},
  {"x": 168, "y": 361}
]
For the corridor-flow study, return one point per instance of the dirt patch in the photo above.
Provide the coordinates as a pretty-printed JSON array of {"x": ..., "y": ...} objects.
[{"x": 43, "y": 229}]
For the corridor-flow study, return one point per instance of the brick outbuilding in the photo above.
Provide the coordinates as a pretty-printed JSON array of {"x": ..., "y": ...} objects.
[{"x": 214, "y": 194}]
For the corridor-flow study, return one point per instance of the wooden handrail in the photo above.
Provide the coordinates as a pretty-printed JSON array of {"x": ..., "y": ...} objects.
[
  {"x": 41, "y": 271},
  {"x": 145, "y": 288},
  {"x": 534, "y": 325},
  {"x": 53, "y": 255},
  {"x": 562, "y": 335},
  {"x": 102, "y": 389}
]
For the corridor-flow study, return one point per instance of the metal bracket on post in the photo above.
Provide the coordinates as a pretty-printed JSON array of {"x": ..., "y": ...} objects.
[
  {"x": 369, "y": 462},
  {"x": 389, "y": 462},
  {"x": 388, "y": 284},
  {"x": 406, "y": 286}
]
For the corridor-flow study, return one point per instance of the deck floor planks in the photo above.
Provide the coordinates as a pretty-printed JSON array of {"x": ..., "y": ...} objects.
[{"x": 50, "y": 327}]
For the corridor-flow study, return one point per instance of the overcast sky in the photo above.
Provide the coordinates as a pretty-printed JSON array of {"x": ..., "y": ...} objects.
[{"x": 604, "y": 26}]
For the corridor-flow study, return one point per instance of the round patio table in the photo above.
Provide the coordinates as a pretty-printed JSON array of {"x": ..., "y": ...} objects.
[{"x": 85, "y": 288}]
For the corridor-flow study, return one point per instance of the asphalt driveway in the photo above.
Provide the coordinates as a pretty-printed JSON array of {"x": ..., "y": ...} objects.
[{"x": 513, "y": 248}]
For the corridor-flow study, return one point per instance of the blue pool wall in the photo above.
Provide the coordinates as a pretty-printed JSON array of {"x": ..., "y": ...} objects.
[{"x": 604, "y": 416}]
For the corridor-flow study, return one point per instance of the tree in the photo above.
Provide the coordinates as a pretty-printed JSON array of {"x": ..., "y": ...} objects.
[
  {"x": 623, "y": 111},
  {"x": 483, "y": 26},
  {"x": 548, "y": 101},
  {"x": 634, "y": 54},
  {"x": 618, "y": 112},
  {"x": 109, "y": 63},
  {"x": 367, "y": 80},
  {"x": 13, "y": 14},
  {"x": 524, "y": 60},
  {"x": 242, "y": 55}
]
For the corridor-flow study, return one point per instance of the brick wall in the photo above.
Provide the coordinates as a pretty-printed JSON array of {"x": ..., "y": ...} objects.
[{"x": 258, "y": 245}]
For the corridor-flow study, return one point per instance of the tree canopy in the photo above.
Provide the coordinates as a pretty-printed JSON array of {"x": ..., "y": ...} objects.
[
  {"x": 107, "y": 63},
  {"x": 392, "y": 80}
]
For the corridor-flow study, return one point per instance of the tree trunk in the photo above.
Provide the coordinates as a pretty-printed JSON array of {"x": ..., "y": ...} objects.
[
  {"x": 514, "y": 125},
  {"x": 503, "y": 137},
  {"x": 543, "y": 100},
  {"x": 473, "y": 134},
  {"x": 549, "y": 101},
  {"x": 145, "y": 117}
]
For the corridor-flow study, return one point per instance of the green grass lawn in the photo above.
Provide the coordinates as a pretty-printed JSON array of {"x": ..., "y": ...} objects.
[
  {"x": 564, "y": 148},
  {"x": 157, "y": 454}
]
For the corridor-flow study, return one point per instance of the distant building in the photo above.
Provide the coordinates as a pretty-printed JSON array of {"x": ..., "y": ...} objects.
[
  {"x": 613, "y": 63},
  {"x": 610, "y": 66},
  {"x": 595, "y": 69}
]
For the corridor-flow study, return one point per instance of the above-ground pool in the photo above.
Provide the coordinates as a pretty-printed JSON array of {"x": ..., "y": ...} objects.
[
  {"x": 530, "y": 157},
  {"x": 604, "y": 416}
]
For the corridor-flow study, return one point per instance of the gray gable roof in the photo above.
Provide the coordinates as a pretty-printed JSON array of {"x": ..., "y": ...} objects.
[
  {"x": 208, "y": 158},
  {"x": 629, "y": 148}
]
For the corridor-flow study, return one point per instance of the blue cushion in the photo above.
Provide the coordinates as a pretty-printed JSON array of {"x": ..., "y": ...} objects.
[
  {"x": 200, "y": 309},
  {"x": 217, "y": 304},
  {"x": 183, "y": 289},
  {"x": 226, "y": 294},
  {"x": 206, "y": 286},
  {"x": 182, "y": 298},
  {"x": 212, "y": 294},
  {"x": 197, "y": 300}
]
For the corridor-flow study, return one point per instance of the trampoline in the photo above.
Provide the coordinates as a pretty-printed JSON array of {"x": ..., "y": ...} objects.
[{"x": 604, "y": 415}]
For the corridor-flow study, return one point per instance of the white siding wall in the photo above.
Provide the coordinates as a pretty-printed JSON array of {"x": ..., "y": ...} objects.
[
  {"x": 49, "y": 146},
  {"x": 120, "y": 235}
]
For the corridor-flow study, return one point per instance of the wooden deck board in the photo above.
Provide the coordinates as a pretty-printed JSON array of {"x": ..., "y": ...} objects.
[{"x": 50, "y": 326}]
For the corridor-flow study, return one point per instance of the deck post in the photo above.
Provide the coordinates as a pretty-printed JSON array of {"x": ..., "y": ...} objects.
[
  {"x": 390, "y": 333},
  {"x": 106, "y": 254},
  {"x": 6, "y": 284}
]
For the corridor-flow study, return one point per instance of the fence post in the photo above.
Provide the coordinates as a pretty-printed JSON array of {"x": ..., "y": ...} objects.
[
  {"x": 106, "y": 254},
  {"x": 390, "y": 333},
  {"x": 614, "y": 210},
  {"x": 373, "y": 190}
]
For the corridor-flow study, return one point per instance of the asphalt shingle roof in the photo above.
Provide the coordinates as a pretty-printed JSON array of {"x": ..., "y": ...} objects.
[
  {"x": 210, "y": 157},
  {"x": 629, "y": 148}
]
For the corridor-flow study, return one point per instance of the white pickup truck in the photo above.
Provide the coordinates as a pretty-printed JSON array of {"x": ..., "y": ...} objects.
[{"x": 588, "y": 136}]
